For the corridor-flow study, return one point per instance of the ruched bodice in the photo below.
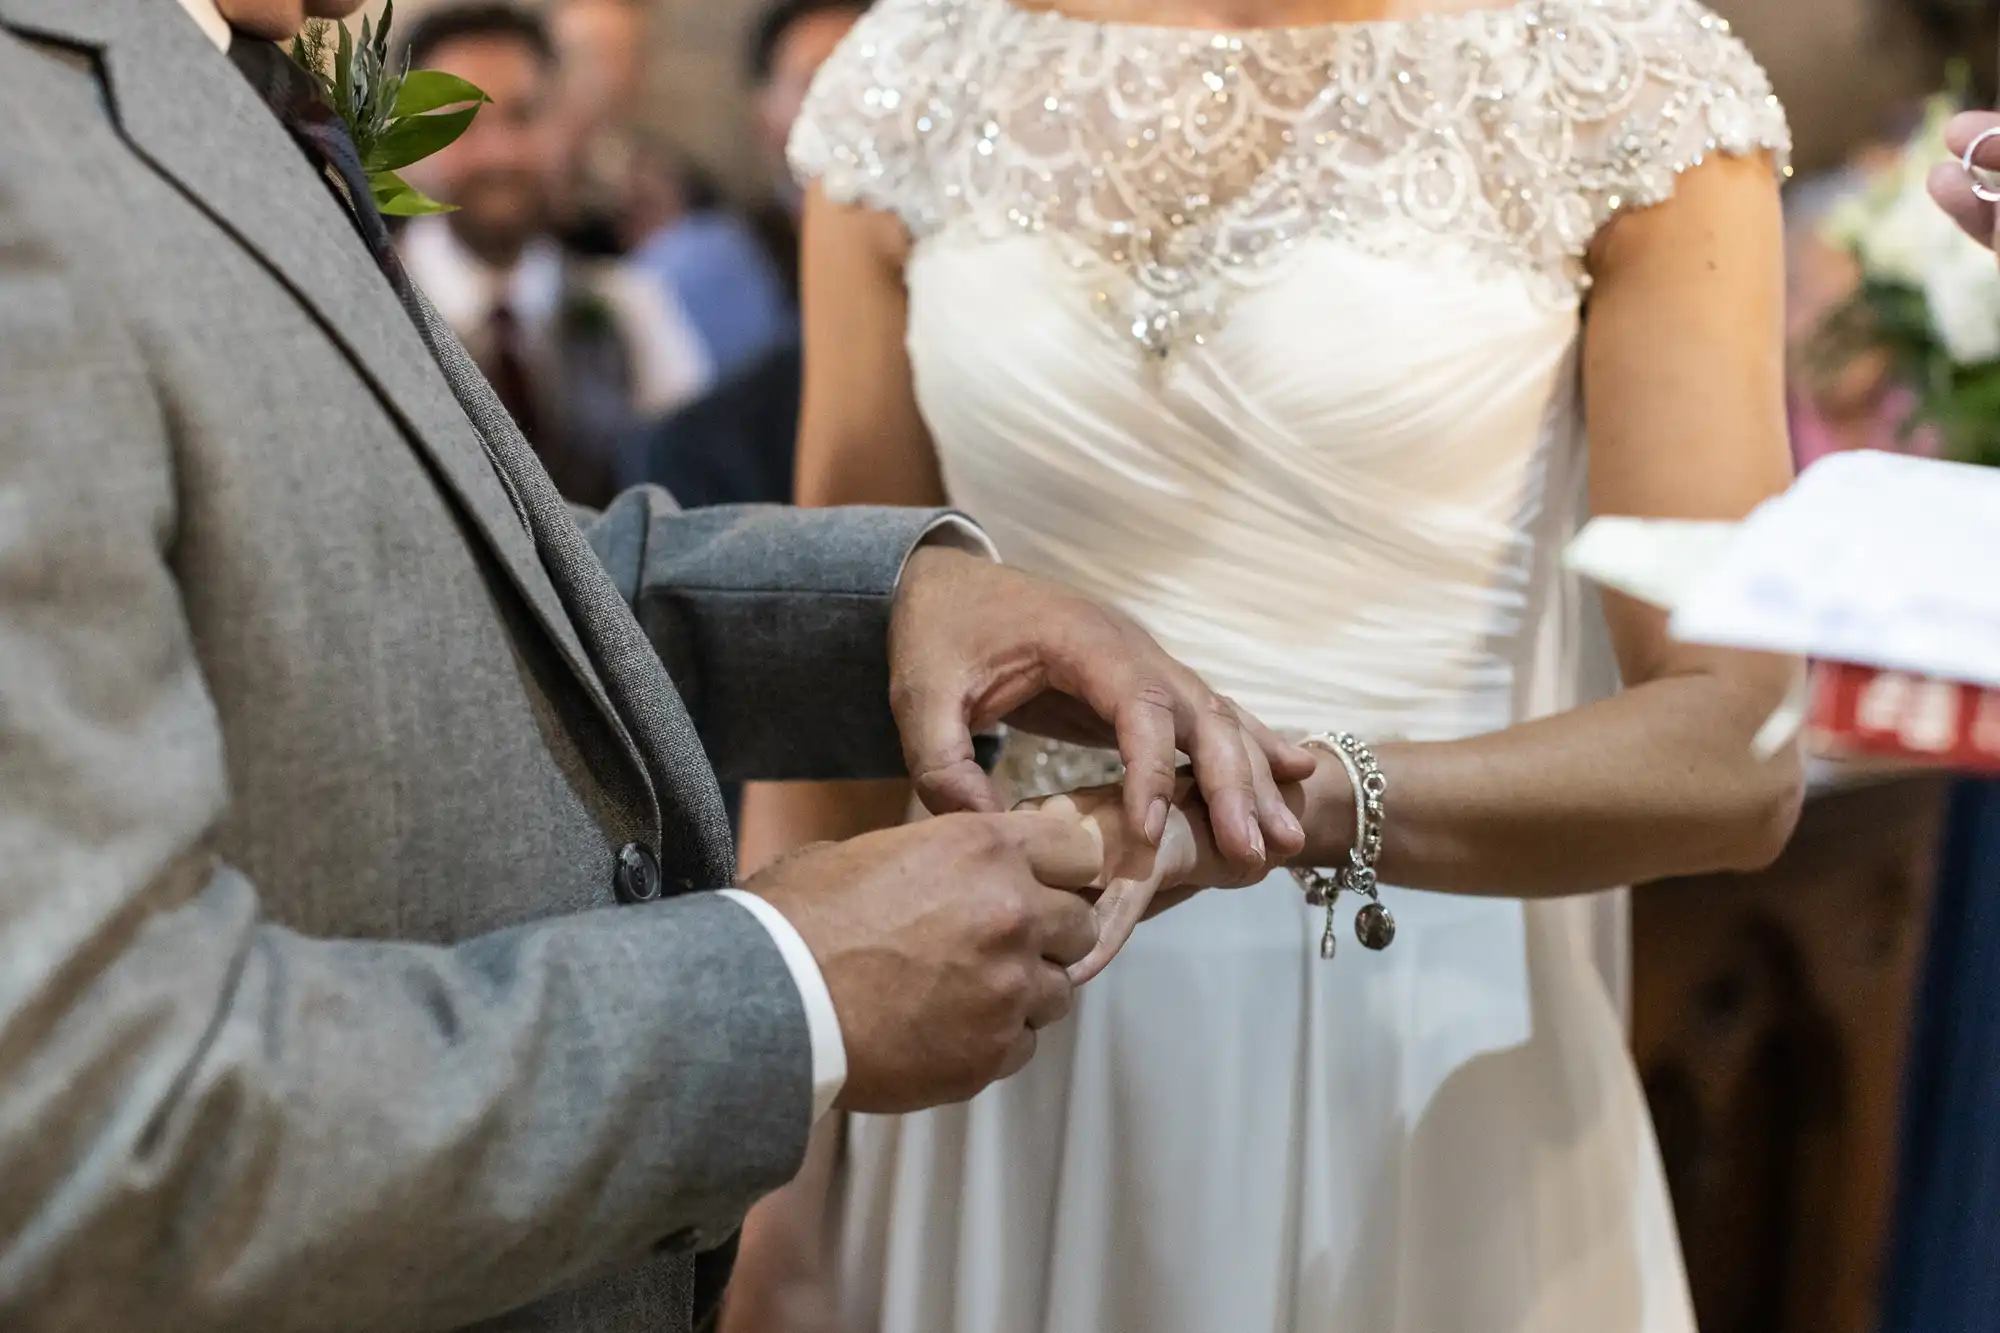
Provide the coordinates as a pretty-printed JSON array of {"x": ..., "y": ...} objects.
[{"x": 1330, "y": 509}]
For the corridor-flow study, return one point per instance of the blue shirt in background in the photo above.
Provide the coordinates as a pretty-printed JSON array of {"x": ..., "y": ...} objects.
[{"x": 712, "y": 263}]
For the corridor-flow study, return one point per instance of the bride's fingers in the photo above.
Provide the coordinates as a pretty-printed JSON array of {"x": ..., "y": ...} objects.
[
  {"x": 1127, "y": 900},
  {"x": 1168, "y": 899},
  {"x": 1104, "y": 827},
  {"x": 1119, "y": 909},
  {"x": 1288, "y": 760}
]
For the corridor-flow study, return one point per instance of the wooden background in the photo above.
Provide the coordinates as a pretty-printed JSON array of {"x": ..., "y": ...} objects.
[{"x": 1770, "y": 1020}]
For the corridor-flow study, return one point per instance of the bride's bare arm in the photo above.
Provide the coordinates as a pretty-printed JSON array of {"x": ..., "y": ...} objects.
[
  {"x": 861, "y": 441},
  {"x": 1683, "y": 365}
]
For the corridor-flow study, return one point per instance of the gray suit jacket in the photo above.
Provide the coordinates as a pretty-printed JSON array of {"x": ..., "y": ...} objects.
[{"x": 321, "y": 734}]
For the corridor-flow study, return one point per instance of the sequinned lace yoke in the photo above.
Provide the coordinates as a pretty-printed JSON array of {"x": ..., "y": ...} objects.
[{"x": 1174, "y": 165}]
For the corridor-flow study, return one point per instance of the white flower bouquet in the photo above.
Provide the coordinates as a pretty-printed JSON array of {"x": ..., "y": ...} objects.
[{"x": 1929, "y": 297}]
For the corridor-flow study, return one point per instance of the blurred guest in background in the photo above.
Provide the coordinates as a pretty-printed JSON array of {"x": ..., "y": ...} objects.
[
  {"x": 578, "y": 352},
  {"x": 681, "y": 237},
  {"x": 735, "y": 444},
  {"x": 601, "y": 48},
  {"x": 788, "y": 46}
]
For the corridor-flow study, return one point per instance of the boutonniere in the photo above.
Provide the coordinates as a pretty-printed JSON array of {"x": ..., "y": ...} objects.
[{"x": 396, "y": 117}]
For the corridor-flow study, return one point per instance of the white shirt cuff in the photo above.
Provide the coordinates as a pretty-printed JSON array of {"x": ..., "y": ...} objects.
[
  {"x": 958, "y": 532},
  {"x": 829, "y": 1048}
]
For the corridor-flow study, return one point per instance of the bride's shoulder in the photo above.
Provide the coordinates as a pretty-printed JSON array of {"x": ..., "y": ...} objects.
[
  {"x": 1656, "y": 84},
  {"x": 1638, "y": 92},
  {"x": 1647, "y": 65},
  {"x": 1582, "y": 109},
  {"x": 877, "y": 99}
]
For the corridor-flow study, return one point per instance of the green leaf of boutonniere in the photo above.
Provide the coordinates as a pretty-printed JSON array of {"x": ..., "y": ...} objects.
[
  {"x": 343, "y": 75},
  {"x": 414, "y": 138},
  {"x": 396, "y": 118},
  {"x": 396, "y": 197},
  {"x": 427, "y": 90}
]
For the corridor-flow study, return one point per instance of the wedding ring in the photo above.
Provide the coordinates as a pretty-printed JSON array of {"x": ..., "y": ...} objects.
[{"x": 1985, "y": 182}]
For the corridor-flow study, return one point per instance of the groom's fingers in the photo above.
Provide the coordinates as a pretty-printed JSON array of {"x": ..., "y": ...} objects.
[
  {"x": 958, "y": 786},
  {"x": 1227, "y": 780},
  {"x": 1289, "y": 761},
  {"x": 937, "y": 750},
  {"x": 1018, "y": 1055},
  {"x": 1145, "y": 727},
  {"x": 1064, "y": 851},
  {"x": 1284, "y": 835},
  {"x": 1128, "y": 899}
]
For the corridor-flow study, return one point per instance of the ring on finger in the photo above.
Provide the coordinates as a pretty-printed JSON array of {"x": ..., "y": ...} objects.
[{"x": 1985, "y": 182}]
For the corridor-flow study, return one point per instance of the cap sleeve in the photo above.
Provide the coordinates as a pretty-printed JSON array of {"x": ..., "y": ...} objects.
[
  {"x": 872, "y": 108},
  {"x": 1682, "y": 88}
]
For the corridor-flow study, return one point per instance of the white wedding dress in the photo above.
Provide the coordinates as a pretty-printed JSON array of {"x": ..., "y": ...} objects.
[{"x": 1271, "y": 338}]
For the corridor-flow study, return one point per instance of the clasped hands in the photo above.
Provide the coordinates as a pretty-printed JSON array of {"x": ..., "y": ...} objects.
[
  {"x": 976, "y": 644},
  {"x": 946, "y": 944},
  {"x": 1136, "y": 879}
]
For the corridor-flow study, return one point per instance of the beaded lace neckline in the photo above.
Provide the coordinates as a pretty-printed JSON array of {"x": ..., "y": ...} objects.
[
  {"x": 1175, "y": 166},
  {"x": 1323, "y": 27}
]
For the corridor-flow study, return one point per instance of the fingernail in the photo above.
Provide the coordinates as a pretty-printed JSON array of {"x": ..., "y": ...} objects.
[
  {"x": 1156, "y": 821},
  {"x": 1291, "y": 822},
  {"x": 1256, "y": 836}
]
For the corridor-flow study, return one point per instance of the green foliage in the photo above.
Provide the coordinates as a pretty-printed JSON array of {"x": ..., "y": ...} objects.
[
  {"x": 1961, "y": 402},
  {"x": 396, "y": 117}
]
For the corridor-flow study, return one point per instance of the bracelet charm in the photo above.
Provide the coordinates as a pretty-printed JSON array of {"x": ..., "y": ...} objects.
[{"x": 1374, "y": 925}]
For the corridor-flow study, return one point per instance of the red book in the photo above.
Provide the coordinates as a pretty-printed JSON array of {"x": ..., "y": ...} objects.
[{"x": 1859, "y": 710}]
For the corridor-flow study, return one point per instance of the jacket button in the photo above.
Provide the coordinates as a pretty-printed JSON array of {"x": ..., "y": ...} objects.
[{"x": 637, "y": 879}]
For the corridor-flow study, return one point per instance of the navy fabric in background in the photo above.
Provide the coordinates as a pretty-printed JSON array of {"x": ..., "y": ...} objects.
[{"x": 1944, "y": 1264}]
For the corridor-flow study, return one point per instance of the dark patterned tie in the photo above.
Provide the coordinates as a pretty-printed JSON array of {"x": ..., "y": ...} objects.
[{"x": 507, "y": 368}]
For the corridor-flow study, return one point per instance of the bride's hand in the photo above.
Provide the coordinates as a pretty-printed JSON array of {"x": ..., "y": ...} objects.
[{"x": 1139, "y": 881}]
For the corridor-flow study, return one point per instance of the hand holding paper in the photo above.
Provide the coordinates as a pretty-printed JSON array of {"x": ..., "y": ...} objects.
[{"x": 1883, "y": 566}]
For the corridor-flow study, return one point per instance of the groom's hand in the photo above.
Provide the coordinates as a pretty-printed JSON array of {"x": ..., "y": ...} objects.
[
  {"x": 944, "y": 945},
  {"x": 973, "y": 643}
]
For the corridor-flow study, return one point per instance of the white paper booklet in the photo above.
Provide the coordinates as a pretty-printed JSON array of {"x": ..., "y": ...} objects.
[{"x": 1877, "y": 559}]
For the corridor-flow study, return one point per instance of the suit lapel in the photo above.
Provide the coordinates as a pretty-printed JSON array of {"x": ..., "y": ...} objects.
[{"x": 187, "y": 111}]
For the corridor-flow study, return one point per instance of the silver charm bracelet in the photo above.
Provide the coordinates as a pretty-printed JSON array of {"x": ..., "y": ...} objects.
[{"x": 1373, "y": 924}]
